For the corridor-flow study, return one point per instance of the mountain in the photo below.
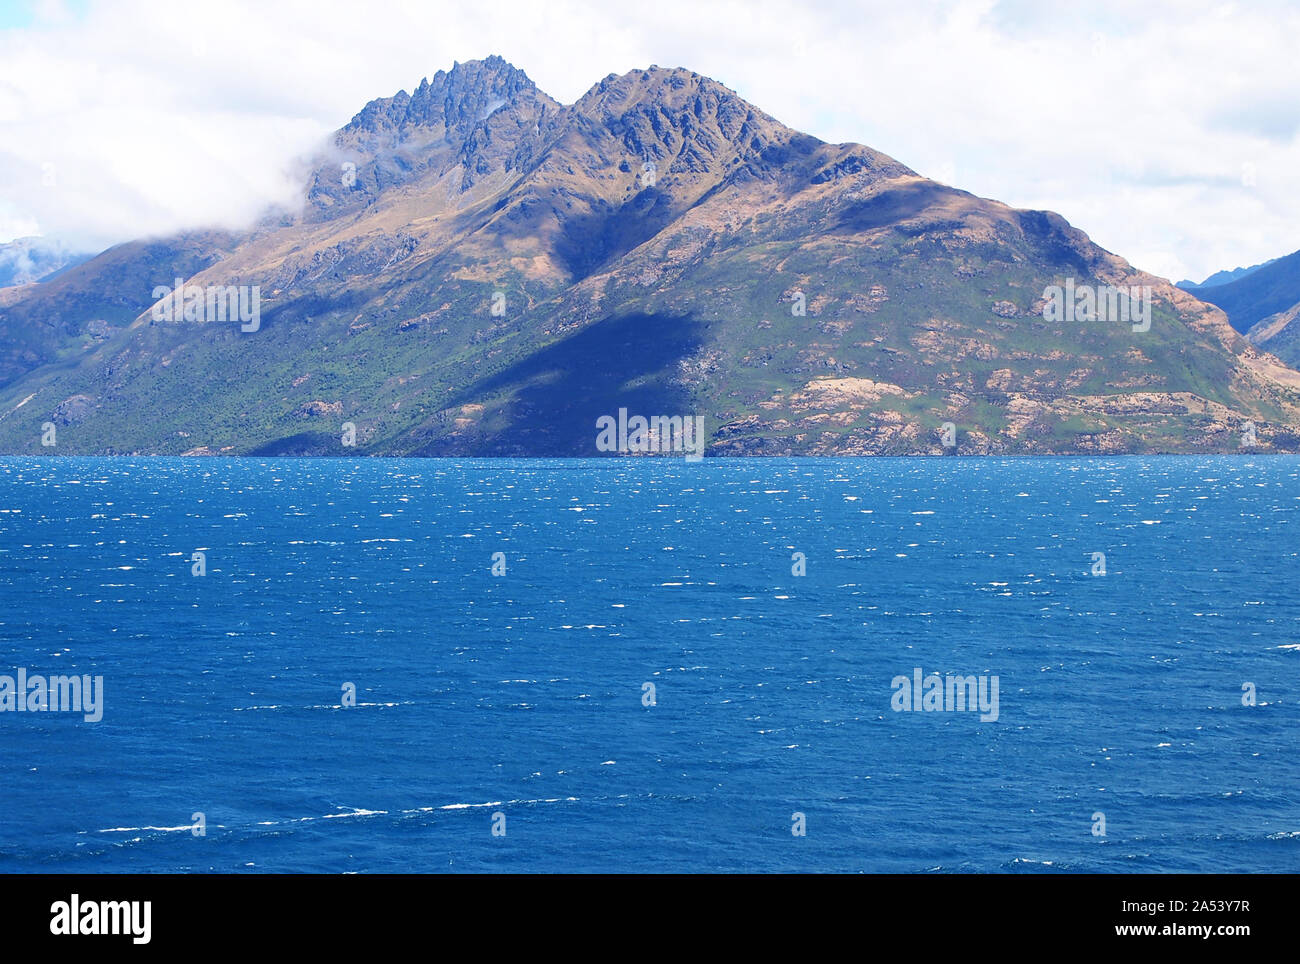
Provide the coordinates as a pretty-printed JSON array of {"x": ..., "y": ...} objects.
[
  {"x": 477, "y": 269},
  {"x": 1250, "y": 299},
  {"x": 29, "y": 260},
  {"x": 1264, "y": 305},
  {"x": 1222, "y": 277},
  {"x": 81, "y": 307}
]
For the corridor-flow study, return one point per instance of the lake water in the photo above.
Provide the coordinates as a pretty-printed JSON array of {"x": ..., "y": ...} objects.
[{"x": 518, "y": 702}]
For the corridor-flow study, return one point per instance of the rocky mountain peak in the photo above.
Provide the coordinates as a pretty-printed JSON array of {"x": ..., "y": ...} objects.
[
  {"x": 469, "y": 93},
  {"x": 678, "y": 116},
  {"x": 481, "y": 116},
  {"x": 456, "y": 100}
]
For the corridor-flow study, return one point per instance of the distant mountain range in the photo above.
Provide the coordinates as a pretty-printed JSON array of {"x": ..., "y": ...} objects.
[
  {"x": 478, "y": 269},
  {"x": 29, "y": 260},
  {"x": 1263, "y": 303},
  {"x": 1222, "y": 277}
]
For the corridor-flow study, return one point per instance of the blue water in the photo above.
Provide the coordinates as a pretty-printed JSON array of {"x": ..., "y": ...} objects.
[{"x": 522, "y": 694}]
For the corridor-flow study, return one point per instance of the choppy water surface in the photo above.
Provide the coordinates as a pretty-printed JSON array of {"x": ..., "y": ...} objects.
[{"x": 524, "y": 694}]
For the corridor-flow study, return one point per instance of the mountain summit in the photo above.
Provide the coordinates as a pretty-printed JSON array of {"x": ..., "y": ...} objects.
[{"x": 479, "y": 270}]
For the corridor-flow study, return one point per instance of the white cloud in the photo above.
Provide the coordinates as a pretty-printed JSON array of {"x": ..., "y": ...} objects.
[{"x": 1167, "y": 131}]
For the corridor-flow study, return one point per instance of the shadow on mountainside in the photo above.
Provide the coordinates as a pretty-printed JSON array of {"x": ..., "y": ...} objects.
[
  {"x": 593, "y": 241},
  {"x": 548, "y": 403}
]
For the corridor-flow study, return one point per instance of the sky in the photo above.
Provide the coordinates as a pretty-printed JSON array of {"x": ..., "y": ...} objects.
[{"x": 1168, "y": 131}]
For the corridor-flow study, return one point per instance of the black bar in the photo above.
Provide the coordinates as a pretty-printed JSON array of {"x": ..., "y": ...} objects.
[{"x": 365, "y": 913}]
